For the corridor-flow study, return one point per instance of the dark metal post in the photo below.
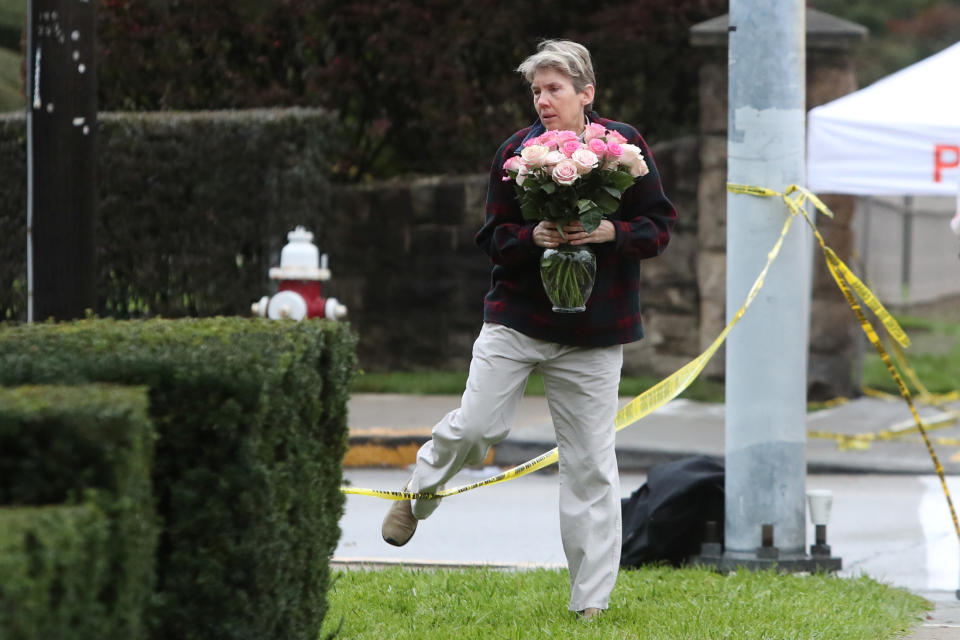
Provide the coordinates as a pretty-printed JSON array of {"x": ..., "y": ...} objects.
[
  {"x": 61, "y": 130},
  {"x": 906, "y": 254}
]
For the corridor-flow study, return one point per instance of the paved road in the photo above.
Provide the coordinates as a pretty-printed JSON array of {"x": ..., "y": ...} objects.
[{"x": 387, "y": 429}]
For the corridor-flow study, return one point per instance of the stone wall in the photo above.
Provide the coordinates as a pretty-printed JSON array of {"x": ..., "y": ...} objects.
[
  {"x": 835, "y": 350},
  {"x": 404, "y": 262},
  {"x": 670, "y": 299}
]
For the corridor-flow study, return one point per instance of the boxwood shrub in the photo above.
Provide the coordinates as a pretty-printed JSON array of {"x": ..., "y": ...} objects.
[
  {"x": 77, "y": 525},
  {"x": 251, "y": 417},
  {"x": 55, "y": 565},
  {"x": 192, "y": 209}
]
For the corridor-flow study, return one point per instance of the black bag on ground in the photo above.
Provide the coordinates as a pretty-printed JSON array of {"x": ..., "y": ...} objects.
[{"x": 663, "y": 521}]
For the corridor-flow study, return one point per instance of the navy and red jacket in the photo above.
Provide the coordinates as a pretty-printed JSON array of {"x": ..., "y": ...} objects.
[{"x": 516, "y": 297}]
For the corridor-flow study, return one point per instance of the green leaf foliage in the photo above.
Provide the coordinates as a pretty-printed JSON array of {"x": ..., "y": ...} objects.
[
  {"x": 613, "y": 191},
  {"x": 381, "y": 67},
  {"x": 529, "y": 209},
  {"x": 251, "y": 416},
  {"x": 591, "y": 219},
  {"x": 587, "y": 200},
  {"x": 607, "y": 202},
  {"x": 901, "y": 33},
  {"x": 57, "y": 580},
  {"x": 621, "y": 180},
  {"x": 86, "y": 569}
]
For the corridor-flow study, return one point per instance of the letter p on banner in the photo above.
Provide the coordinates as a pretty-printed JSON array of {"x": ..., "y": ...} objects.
[{"x": 945, "y": 156}]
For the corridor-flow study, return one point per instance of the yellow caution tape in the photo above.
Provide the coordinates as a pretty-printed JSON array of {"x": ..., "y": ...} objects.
[
  {"x": 936, "y": 399},
  {"x": 670, "y": 387},
  {"x": 837, "y": 268},
  {"x": 946, "y": 418},
  {"x": 849, "y": 284},
  {"x": 835, "y": 402},
  {"x": 863, "y": 440},
  {"x": 643, "y": 405}
]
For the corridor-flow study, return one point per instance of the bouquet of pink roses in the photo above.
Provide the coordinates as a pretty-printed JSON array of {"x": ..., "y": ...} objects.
[{"x": 559, "y": 177}]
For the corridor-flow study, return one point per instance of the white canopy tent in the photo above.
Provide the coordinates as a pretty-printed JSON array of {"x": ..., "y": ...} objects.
[{"x": 899, "y": 136}]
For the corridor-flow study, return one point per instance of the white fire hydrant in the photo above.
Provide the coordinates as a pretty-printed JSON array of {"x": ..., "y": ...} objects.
[{"x": 299, "y": 275}]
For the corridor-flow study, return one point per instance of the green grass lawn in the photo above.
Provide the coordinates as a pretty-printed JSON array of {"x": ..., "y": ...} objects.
[
  {"x": 13, "y": 13},
  {"x": 454, "y": 382},
  {"x": 10, "y": 98},
  {"x": 652, "y": 604},
  {"x": 934, "y": 354},
  {"x": 12, "y": 16}
]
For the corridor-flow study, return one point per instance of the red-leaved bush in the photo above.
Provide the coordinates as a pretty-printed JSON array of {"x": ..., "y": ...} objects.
[{"x": 406, "y": 78}]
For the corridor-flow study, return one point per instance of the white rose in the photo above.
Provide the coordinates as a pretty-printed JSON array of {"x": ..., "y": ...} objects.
[
  {"x": 633, "y": 159},
  {"x": 522, "y": 174},
  {"x": 639, "y": 168},
  {"x": 585, "y": 160},
  {"x": 553, "y": 158},
  {"x": 534, "y": 155},
  {"x": 631, "y": 153}
]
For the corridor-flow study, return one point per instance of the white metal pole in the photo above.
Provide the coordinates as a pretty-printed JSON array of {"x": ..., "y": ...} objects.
[
  {"x": 33, "y": 97},
  {"x": 766, "y": 361}
]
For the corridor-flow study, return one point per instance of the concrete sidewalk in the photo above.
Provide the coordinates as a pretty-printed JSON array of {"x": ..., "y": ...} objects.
[
  {"x": 387, "y": 430},
  {"x": 943, "y": 623}
]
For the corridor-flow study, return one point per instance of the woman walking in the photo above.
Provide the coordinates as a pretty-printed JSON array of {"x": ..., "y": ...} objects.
[{"x": 579, "y": 355}]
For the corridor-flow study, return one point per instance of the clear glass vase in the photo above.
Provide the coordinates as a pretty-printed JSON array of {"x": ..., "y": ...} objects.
[{"x": 568, "y": 273}]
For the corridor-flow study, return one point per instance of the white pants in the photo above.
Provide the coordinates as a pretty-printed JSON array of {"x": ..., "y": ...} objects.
[{"x": 582, "y": 388}]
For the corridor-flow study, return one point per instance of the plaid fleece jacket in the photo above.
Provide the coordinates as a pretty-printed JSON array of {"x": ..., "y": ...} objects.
[{"x": 516, "y": 297}]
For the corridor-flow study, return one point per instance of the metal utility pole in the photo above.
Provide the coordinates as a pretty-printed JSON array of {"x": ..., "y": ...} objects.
[
  {"x": 766, "y": 357},
  {"x": 61, "y": 127}
]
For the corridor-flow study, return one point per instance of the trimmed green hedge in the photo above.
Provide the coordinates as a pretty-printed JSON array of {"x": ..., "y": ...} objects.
[
  {"x": 193, "y": 208},
  {"x": 54, "y": 563},
  {"x": 82, "y": 571},
  {"x": 251, "y": 416}
]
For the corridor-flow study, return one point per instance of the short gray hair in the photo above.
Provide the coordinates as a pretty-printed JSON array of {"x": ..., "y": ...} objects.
[{"x": 570, "y": 57}]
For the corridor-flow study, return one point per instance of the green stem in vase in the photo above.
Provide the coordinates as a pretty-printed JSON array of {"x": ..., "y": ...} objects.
[{"x": 565, "y": 278}]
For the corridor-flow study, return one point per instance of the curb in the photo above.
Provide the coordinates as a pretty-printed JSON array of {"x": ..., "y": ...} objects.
[{"x": 380, "y": 450}]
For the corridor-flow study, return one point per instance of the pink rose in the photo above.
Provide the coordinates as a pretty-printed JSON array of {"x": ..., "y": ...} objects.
[
  {"x": 597, "y": 146},
  {"x": 585, "y": 160},
  {"x": 513, "y": 163},
  {"x": 612, "y": 158},
  {"x": 534, "y": 155},
  {"x": 594, "y": 131},
  {"x": 565, "y": 173},
  {"x": 566, "y": 134},
  {"x": 569, "y": 146},
  {"x": 548, "y": 139},
  {"x": 614, "y": 136}
]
